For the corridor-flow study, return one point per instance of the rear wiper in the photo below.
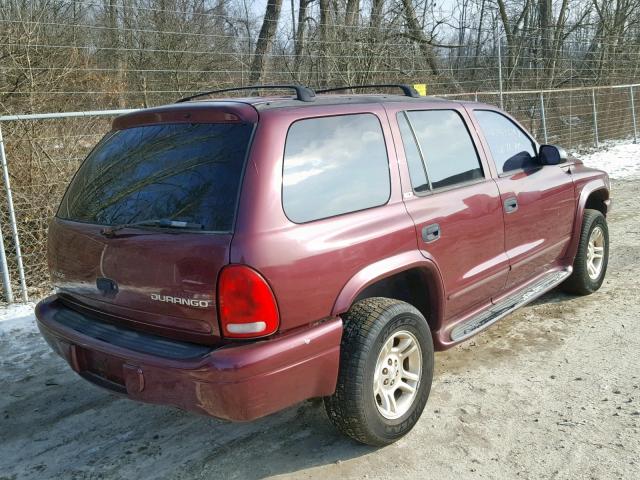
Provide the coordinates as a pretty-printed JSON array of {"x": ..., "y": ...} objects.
[{"x": 162, "y": 223}]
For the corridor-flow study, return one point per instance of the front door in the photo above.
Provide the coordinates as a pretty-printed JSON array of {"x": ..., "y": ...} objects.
[
  {"x": 455, "y": 205},
  {"x": 538, "y": 201}
]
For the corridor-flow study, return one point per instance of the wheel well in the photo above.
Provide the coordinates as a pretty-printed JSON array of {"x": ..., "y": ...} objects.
[
  {"x": 411, "y": 286},
  {"x": 596, "y": 201}
]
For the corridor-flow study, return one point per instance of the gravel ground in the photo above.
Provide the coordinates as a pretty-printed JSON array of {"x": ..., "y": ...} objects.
[{"x": 552, "y": 391}]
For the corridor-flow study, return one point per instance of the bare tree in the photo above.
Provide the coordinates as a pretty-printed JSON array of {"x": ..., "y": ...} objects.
[{"x": 265, "y": 40}]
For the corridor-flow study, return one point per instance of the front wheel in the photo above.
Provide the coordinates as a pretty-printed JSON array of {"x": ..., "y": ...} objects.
[
  {"x": 590, "y": 264},
  {"x": 386, "y": 369}
]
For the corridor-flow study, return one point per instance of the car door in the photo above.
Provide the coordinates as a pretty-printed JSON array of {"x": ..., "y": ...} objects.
[
  {"x": 538, "y": 201},
  {"x": 454, "y": 203}
]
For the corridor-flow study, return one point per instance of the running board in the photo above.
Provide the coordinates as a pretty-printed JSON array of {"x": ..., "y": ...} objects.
[{"x": 508, "y": 305}]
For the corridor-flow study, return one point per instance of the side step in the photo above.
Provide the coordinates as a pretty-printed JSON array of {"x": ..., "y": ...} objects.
[{"x": 508, "y": 305}]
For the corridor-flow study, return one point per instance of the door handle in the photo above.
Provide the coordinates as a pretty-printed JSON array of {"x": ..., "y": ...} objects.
[
  {"x": 511, "y": 204},
  {"x": 431, "y": 233}
]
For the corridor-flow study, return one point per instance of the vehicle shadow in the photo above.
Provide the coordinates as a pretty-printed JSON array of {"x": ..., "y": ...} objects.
[
  {"x": 55, "y": 425},
  {"x": 554, "y": 296},
  {"x": 285, "y": 443}
]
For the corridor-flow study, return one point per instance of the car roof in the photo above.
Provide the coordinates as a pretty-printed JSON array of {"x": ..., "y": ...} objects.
[
  {"x": 247, "y": 107},
  {"x": 269, "y": 102}
]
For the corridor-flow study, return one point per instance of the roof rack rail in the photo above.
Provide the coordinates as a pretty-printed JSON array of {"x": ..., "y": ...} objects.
[
  {"x": 407, "y": 90},
  {"x": 303, "y": 93}
]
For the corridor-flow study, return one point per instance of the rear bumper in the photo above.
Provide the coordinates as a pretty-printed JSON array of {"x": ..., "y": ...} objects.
[{"x": 236, "y": 382}]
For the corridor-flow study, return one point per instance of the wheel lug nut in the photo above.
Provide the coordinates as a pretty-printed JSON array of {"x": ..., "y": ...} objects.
[
  {"x": 386, "y": 382},
  {"x": 389, "y": 362},
  {"x": 385, "y": 371}
]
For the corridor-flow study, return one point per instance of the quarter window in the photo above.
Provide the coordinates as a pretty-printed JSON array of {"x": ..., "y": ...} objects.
[
  {"x": 449, "y": 154},
  {"x": 417, "y": 172},
  {"x": 334, "y": 165},
  {"x": 510, "y": 148}
]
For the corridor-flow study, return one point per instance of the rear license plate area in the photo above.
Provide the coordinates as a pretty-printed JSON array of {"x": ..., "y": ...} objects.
[{"x": 105, "y": 370}]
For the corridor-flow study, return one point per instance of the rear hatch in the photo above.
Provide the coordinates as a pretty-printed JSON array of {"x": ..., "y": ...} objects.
[{"x": 147, "y": 222}]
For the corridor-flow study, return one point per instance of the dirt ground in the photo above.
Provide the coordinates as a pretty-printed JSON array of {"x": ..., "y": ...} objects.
[{"x": 552, "y": 391}]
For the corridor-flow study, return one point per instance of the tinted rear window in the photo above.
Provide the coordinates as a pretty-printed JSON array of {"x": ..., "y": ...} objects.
[
  {"x": 334, "y": 165},
  {"x": 184, "y": 172}
]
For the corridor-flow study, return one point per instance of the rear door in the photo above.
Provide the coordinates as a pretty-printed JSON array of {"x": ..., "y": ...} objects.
[
  {"x": 538, "y": 201},
  {"x": 155, "y": 277},
  {"x": 455, "y": 205}
]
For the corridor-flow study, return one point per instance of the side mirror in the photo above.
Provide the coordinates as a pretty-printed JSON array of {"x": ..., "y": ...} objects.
[{"x": 552, "y": 155}]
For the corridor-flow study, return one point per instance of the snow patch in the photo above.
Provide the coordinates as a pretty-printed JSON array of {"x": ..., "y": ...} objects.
[
  {"x": 618, "y": 159},
  {"x": 19, "y": 315}
]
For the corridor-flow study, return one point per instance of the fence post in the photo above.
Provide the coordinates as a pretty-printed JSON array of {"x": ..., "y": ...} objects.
[
  {"x": 12, "y": 219},
  {"x": 633, "y": 115},
  {"x": 543, "y": 117},
  {"x": 6, "y": 281},
  {"x": 500, "y": 71},
  {"x": 595, "y": 118}
]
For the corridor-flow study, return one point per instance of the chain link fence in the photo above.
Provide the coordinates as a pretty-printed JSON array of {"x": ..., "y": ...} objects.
[{"x": 41, "y": 152}]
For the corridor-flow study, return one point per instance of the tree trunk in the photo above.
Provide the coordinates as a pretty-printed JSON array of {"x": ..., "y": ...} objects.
[
  {"x": 302, "y": 21},
  {"x": 418, "y": 35},
  {"x": 352, "y": 12},
  {"x": 115, "y": 54},
  {"x": 376, "y": 12},
  {"x": 325, "y": 21},
  {"x": 545, "y": 20},
  {"x": 476, "y": 55},
  {"x": 265, "y": 41}
]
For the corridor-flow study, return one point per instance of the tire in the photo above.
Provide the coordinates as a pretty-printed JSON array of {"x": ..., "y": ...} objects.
[
  {"x": 582, "y": 280},
  {"x": 371, "y": 325}
]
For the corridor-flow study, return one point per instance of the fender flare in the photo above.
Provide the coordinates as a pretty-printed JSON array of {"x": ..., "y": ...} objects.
[
  {"x": 586, "y": 191},
  {"x": 389, "y": 266}
]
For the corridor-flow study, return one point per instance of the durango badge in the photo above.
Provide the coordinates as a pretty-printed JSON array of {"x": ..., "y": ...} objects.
[{"x": 191, "y": 302}]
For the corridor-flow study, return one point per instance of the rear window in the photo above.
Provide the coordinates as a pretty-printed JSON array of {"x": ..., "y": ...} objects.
[
  {"x": 183, "y": 172},
  {"x": 334, "y": 165}
]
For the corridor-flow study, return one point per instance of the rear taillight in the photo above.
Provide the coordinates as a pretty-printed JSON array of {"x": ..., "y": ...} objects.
[{"x": 246, "y": 304}]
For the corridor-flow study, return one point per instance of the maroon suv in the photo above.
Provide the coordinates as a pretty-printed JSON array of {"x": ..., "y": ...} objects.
[{"x": 235, "y": 256}]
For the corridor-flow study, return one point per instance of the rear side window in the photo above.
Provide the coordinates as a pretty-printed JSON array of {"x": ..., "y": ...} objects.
[
  {"x": 449, "y": 154},
  {"x": 510, "y": 148},
  {"x": 334, "y": 165},
  {"x": 183, "y": 172}
]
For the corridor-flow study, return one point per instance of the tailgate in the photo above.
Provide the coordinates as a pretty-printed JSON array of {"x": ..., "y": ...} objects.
[{"x": 159, "y": 282}]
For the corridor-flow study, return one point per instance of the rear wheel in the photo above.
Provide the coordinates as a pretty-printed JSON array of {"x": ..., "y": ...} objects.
[
  {"x": 386, "y": 369},
  {"x": 590, "y": 264}
]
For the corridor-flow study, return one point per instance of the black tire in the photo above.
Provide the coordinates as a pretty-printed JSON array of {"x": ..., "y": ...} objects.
[
  {"x": 580, "y": 282},
  {"x": 352, "y": 408}
]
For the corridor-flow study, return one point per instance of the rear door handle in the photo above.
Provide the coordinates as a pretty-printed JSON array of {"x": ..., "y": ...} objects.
[
  {"x": 511, "y": 204},
  {"x": 431, "y": 233}
]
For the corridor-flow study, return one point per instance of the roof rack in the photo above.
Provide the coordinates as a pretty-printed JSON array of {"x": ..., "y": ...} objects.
[
  {"x": 303, "y": 93},
  {"x": 407, "y": 90}
]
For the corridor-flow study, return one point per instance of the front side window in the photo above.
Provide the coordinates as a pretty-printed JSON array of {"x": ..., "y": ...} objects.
[
  {"x": 510, "y": 148},
  {"x": 334, "y": 165},
  {"x": 449, "y": 154}
]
